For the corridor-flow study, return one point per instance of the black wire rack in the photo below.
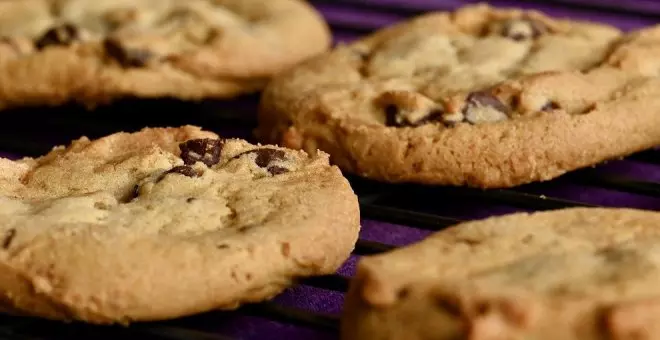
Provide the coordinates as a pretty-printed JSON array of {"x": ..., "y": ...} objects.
[{"x": 33, "y": 132}]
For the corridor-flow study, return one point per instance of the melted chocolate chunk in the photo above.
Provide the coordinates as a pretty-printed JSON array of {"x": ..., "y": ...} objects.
[
  {"x": 549, "y": 106},
  {"x": 63, "y": 35},
  {"x": 523, "y": 29},
  {"x": 265, "y": 157},
  {"x": 480, "y": 98},
  {"x": 391, "y": 115},
  {"x": 433, "y": 115},
  {"x": 183, "y": 170},
  {"x": 125, "y": 56},
  {"x": 9, "y": 237},
  {"x": 483, "y": 107},
  {"x": 206, "y": 150},
  {"x": 449, "y": 305},
  {"x": 245, "y": 229},
  {"x": 136, "y": 191},
  {"x": 277, "y": 170}
]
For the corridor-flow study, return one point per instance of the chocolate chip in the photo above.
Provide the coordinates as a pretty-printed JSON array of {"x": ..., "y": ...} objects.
[
  {"x": 523, "y": 29},
  {"x": 265, "y": 157},
  {"x": 361, "y": 53},
  {"x": 245, "y": 229},
  {"x": 277, "y": 170},
  {"x": 190, "y": 199},
  {"x": 550, "y": 106},
  {"x": 204, "y": 150},
  {"x": 483, "y": 107},
  {"x": 482, "y": 308},
  {"x": 136, "y": 191},
  {"x": 391, "y": 115},
  {"x": 449, "y": 305},
  {"x": 481, "y": 98},
  {"x": 9, "y": 237},
  {"x": 125, "y": 56},
  {"x": 64, "y": 34},
  {"x": 182, "y": 170},
  {"x": 223, "y": 246},
  {"x": 614, "y": 254}
]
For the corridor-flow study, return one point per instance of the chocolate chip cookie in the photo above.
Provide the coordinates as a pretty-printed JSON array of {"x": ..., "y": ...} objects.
[
  {"x": 574, "y": 274},
  {"x": 482, "y": 97},
  {"x": 94, "y": 51},
  {"x": 166, "y": 222}
]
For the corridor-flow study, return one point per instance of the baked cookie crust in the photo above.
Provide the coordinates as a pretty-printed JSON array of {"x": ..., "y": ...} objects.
[
  {"x": 166, "y": 222},
  {"x": 482, "y": 97},
  {"x": 94, "y": 51}
]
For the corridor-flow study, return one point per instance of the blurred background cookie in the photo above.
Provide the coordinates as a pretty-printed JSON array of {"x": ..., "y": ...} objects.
[
  {"x": 93, "y": 52},
  {"x": 484, "y": 97}
]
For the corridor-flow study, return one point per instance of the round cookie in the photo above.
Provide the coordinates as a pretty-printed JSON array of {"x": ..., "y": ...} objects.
[
  {"x": 572, "y": 274},
  {"x": 166, "y": 222},
  {"x": 481, "y": 97},
  {"x": 94, "y": 51}
]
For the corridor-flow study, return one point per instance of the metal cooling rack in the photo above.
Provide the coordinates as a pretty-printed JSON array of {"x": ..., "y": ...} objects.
[{"x": 404, "y": 204}]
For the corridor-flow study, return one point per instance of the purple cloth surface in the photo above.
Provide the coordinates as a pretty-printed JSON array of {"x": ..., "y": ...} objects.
[
  {"x": 342, "y": 15},
  {"x": 385, "y": 12}
]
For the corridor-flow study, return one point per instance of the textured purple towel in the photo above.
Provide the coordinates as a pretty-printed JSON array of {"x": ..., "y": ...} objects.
[{"x": 375, "y": 13}]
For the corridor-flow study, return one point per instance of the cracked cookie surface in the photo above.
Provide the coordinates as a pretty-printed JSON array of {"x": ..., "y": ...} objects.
[
  {"x": 481, "y": 96},
  {"x": 166, "y": 222},
  {"x": 53, "y": 51},
  {"x": 570, "y": 274}
]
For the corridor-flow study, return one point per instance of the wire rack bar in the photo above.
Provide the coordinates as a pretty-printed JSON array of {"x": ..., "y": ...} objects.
[
  {"x": 365, "y": 247},
  {"x": 332, "y": 282},
  {"x": 510, "y": 197},
  {"x": 618, "y": 183},
  {"x": 516, "y": 198},
  {"x": 178, "y": 333},
  {"x": 290, "y": 315},
  {"x": 407, "y": 217},
  {"x": 649, "y": 156}
]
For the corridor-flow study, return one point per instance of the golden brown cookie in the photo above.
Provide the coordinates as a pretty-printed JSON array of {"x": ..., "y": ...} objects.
[
  {"x": 94, "y": 51},
  {"x": 574, "y": 274},
  {"x": 166, "y": 222},
  {"x": 481, "y": 97}
]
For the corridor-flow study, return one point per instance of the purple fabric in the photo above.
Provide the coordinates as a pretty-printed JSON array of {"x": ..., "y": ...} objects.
[
  {"x": 638, "y": 6},
  {"x": 371, "y": 15}
]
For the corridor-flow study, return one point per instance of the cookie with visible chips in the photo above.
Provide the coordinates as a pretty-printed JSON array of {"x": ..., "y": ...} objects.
[
  {"x": 573, "y": 274},
  {"x": 95, "y": 51},
  {"x": 482, "y": 97},
  {"x": 166, "y": 222}
]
